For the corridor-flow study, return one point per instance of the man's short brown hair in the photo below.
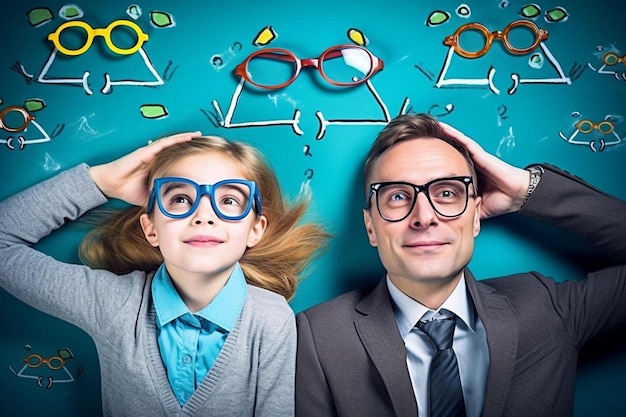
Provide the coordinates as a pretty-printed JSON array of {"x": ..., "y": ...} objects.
[{"x": 410, "y": 126}]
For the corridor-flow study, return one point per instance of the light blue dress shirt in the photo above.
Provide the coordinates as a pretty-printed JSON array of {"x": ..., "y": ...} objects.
[
  {"x": 190, "y": 342},
  {"x": 469, "y": 344}
]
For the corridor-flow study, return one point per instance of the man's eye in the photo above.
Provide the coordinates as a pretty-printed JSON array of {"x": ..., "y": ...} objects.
[{"x": 398, "y": 197}]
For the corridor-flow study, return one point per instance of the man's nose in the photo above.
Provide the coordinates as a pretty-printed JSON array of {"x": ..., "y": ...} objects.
[{"x": 423, "y": 213}]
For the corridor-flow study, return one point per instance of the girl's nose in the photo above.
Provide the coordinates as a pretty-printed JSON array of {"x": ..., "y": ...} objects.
[{"x": 204, "y": 212}]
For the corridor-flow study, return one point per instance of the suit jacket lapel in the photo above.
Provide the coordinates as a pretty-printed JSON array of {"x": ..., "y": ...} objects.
[
  {"x": 380, "y": 336},
  {"x": 500, "y": 324}
]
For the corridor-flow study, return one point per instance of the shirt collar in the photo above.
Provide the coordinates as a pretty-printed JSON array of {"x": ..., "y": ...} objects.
[
  {"x": 408, "y": 311},
  {"x": 222, "y": 311}
]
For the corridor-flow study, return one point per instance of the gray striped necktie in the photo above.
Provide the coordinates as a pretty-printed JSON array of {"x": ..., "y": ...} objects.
[{"x": 446, "y": 395}]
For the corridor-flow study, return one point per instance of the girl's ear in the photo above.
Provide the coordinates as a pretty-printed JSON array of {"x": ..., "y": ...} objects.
[
  {"x": 149, "y": 231},
  {"x": 257, "y": 231}
]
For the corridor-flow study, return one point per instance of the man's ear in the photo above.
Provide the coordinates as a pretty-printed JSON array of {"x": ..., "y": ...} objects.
[
  {"x": 149, "y": 231},
  {"x": 478, "y": 205},
  {"x": 257, "y": 231},
  {"x": 371, "y": 234}
]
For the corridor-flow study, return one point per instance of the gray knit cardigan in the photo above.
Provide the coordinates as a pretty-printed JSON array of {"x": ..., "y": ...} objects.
[{"x": 253, "y": 374}]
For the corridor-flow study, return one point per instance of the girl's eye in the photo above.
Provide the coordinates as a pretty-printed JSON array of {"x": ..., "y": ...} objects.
[
  {"x": 231, "y": 201},
  {"x": 181, "y": 199}
]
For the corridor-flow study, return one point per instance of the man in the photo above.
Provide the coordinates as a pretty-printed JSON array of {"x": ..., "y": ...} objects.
[{"x": 515, "y": 340}]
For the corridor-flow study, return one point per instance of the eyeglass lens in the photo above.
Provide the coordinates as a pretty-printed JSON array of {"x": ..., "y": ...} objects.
[
  {"x": 179, "y": 198},
  {"x": 345, "y": 65},
  {"x": 271, "y": 69},
  {"x": 447, "y": 196}
]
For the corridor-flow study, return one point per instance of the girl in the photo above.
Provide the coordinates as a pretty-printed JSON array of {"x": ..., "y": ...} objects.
[{"x": 184, "y": 324}]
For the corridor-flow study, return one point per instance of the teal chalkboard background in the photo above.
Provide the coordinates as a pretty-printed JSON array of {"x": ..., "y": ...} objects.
[{"x": 195, "y": 57}]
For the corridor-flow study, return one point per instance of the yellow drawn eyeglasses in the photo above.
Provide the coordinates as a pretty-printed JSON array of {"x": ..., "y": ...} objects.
[
  {"x": 612, "y": 58},
  {"x": 453, "y": 40},
  {"x": 586, "y": 126},
  {"x": 35, "y": 361},
  {"x": 91, "y": 33},
  {"x": 3, "y": 117}
]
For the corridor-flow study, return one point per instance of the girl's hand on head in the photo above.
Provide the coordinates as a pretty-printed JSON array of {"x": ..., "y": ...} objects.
[
  {"x": 502, "y": 186},
  {"x": 126, "y": 178}
]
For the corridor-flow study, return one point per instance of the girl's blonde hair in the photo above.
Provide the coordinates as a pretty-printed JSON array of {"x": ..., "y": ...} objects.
[{"x": 119, "y": 245}]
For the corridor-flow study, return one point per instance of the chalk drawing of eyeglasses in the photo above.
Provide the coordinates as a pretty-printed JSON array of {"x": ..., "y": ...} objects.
[
  {"x": 454, "y": 40},
  {"x": 4, "y": 114},
  {"x": 586, "y": 126},
  {"x": 609, "y": 60},
  {"x": 33, "y": 368},
  {"x": 512, "y": 40},
  {"x": 612, "y": 58},
  {"x": 91, "y": 33},
  {"x": 35, "y": 360},
  {"x": 343, "y": 66},
  {"x": 12, "y": 124},
  {"x": 75, "y": 37}
]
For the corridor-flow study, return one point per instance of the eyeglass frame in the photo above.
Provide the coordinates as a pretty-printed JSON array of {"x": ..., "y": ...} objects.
[
  {"x": 142, "y": 37},
  {"x": 205, "y": 189},
  {"x": 453, "y": 40},
  {"x": 27, "y": 119},
  {"x": 580, "y": 126},
  {"x": 606, "y": 59},
  {"x": 467, "y": 180},
  {"x": 47, "y": 361},
  {"x": 281, "y": 54}
]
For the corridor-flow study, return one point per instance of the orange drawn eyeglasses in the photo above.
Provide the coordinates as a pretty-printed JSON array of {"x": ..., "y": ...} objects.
[
  {"x": 340, "y": 65},
  {"x": 4, "y": 115},
  {"x": 586, "y": 126},
  {"x": 612, "y": 58},
  {"x": 35, "y": 361},
  {"x": 454, "y": 40}
]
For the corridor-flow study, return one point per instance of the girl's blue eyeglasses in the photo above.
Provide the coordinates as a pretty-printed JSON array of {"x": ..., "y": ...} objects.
[{"x": 178, "y": 197}]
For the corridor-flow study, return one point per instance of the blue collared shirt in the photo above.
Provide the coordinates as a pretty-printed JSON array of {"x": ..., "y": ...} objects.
[
  {"x": 469, "y": 344},
  {"x": 190, "y": 342}
]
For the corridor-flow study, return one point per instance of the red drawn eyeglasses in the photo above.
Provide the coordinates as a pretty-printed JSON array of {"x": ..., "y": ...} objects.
[{"x": 340, "y": 65}]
